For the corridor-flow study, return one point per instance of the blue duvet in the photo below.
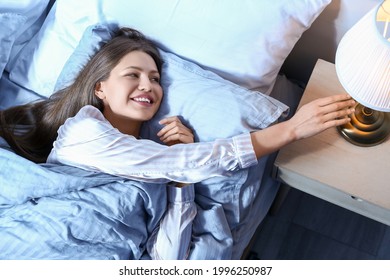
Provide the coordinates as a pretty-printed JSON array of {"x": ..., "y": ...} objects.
[{"x": 62, "y": 212}]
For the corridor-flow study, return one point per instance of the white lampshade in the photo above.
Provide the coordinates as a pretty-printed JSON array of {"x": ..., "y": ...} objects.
[{"x": 363, "y": 63}]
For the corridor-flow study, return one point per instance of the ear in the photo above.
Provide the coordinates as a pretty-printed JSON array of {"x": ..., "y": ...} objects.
[{"x": 98, "y": 91}]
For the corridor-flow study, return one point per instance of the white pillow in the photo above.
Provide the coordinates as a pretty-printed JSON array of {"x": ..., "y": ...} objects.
[{"x": 245, "y": 42}]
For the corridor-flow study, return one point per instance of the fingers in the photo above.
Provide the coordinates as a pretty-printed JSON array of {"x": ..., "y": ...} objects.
[
  {"x": 177, "y": 139},
  {"x": 172, "y": 125},
  {"x": 332, "y": 99},
  {"x": 337, "y": 109},
  {"x": 169, "y": 120},
  {"x": 335, "y": 122},
  {"x": 321, "y": 114},
  {"x": 339, "y": 114},
  {"x": 335, "y": 103},
  {"x": 174, "y": 132}
]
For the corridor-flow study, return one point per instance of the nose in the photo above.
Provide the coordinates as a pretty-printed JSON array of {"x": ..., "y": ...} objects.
[{"x": 145, "y": 84}]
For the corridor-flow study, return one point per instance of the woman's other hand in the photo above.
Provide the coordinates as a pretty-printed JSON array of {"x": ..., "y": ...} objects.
[{"x": 175, "y": 132}]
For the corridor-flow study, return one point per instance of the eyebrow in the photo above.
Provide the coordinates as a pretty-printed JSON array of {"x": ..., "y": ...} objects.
[{"x": 140, "y": 69}]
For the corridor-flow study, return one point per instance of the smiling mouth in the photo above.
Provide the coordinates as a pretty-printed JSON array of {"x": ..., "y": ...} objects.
[{"x": 143, "y": 100}]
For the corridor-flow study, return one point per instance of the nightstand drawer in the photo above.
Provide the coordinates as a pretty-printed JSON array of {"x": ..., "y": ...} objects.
[{"x": 335, "y": 196}]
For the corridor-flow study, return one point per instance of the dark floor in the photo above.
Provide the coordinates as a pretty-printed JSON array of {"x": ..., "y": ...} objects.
[{"x": 308, "y": 228}]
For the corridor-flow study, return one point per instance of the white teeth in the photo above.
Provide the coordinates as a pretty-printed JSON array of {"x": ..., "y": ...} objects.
[{"x": 142, "y": 99}]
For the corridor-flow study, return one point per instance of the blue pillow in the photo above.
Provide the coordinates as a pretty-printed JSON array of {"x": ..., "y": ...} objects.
[
  {"x": 213, "y": 108},
  {"x": 94, "y": 37},
  {"x": 210, "y": 105},
  {"x": 9, "y": 25}
]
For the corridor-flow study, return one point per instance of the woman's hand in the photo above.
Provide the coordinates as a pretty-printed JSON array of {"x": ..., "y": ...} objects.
[
  {"x": 321, "y": 114},
  {"x": 310, "y": 119},
  {"x": 174, "y": 132}
]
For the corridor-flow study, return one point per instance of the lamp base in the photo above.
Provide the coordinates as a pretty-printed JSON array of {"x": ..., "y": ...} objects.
[{"x": 367, "y": 127}]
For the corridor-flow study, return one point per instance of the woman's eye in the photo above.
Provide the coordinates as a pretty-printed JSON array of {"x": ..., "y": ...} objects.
[
  {"x": 133, "y": 75},
  {"x": 155, "y": 79}
]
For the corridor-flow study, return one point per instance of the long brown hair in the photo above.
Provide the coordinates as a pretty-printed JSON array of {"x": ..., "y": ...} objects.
[{"x": 31, "y": 129}]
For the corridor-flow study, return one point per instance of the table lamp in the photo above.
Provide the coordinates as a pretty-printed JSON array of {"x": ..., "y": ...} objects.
[{"x": 363, "y": 68}]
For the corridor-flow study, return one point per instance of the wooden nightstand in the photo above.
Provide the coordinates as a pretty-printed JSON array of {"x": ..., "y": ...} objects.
[{"x": 329, "y": 167}]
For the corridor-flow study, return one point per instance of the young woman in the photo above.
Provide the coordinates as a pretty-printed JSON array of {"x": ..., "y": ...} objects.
[{"x": 95, "y": 124}]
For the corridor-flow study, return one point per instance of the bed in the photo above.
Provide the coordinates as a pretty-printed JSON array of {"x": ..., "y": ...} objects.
[{"x": 221, "y": 64}]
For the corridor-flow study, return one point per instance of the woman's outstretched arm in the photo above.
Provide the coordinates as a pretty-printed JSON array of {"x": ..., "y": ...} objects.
[{"x": 89, "y": 141}]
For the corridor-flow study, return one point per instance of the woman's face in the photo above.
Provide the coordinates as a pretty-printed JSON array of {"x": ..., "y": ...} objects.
[{"x": 132, "y": 93}]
